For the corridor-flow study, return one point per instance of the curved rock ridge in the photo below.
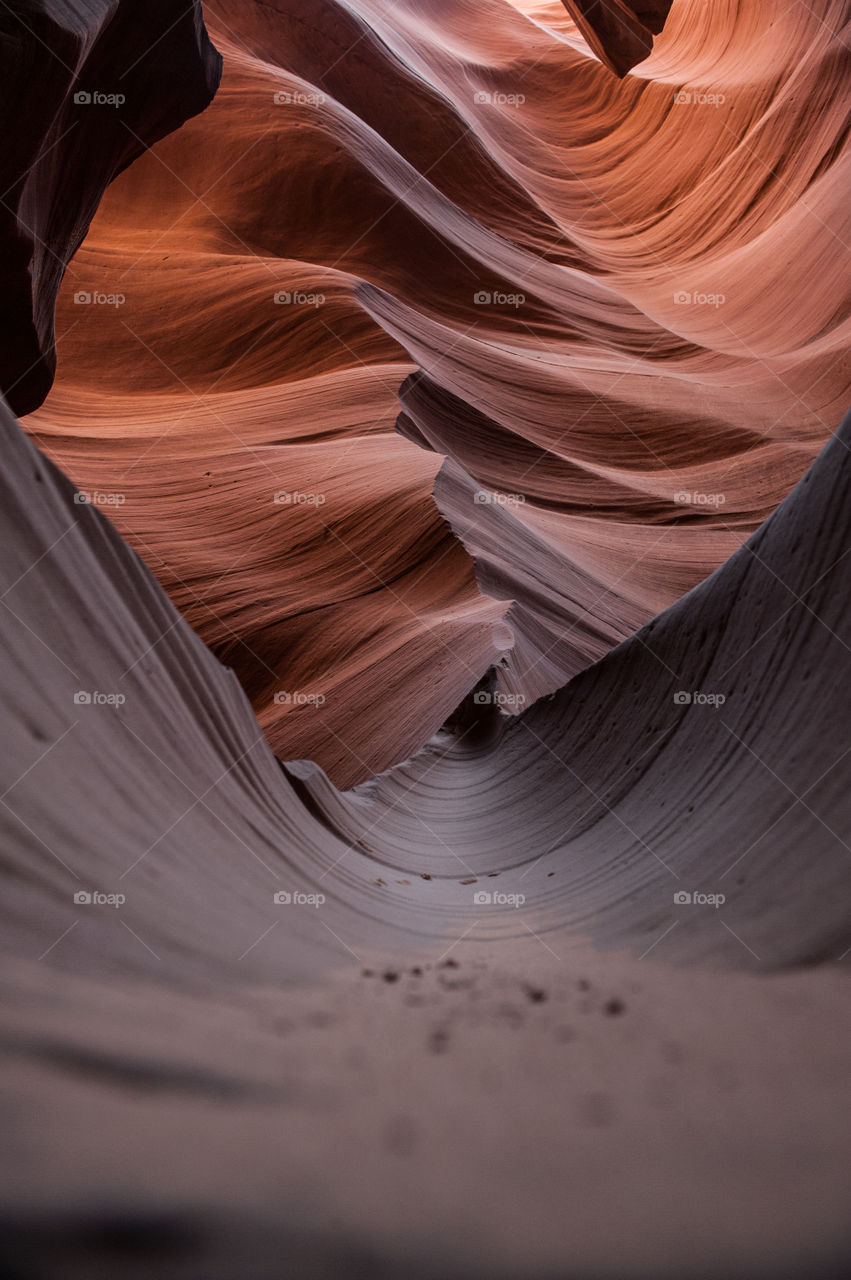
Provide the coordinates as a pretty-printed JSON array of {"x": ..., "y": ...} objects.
[
  {"x": 439, "y": 1025},
  {"x": 86, "y": 88},
  {"x": 205, "y": 953},
  {"x": 616, "y": 306},
  {"x": 703, "y": 756}
]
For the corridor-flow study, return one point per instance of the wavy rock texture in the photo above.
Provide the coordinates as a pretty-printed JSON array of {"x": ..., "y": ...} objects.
[
  {"x": 165, "y": 1024},
  {"x": 87, "y": 87},
  {"x": 562, "y": 993},
  {"x": 664, "y": 234},
  {"x": 646, "y": 792}
]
